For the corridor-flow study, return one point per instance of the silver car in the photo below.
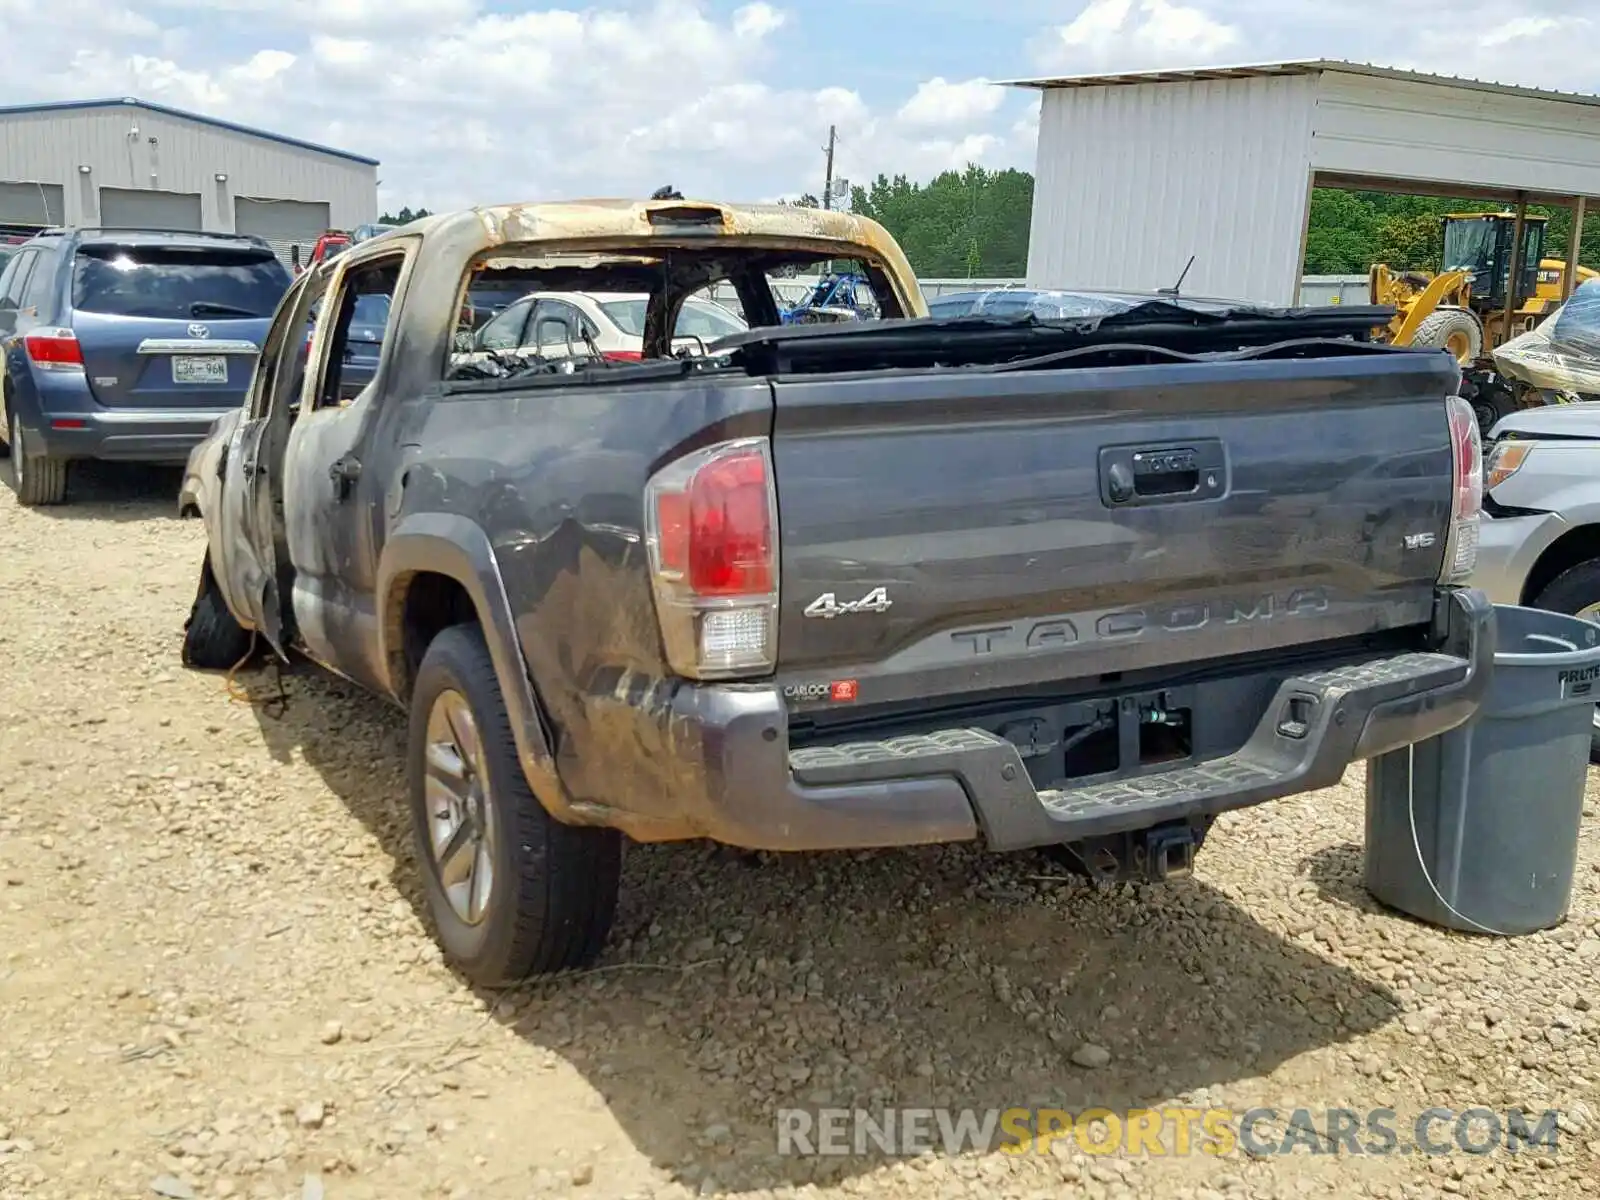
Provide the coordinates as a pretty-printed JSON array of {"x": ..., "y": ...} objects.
[{"x": 1540, "y": 535}]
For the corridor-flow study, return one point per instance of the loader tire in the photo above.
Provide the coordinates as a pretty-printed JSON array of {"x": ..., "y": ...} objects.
[{"x": 1457, "y": 330}]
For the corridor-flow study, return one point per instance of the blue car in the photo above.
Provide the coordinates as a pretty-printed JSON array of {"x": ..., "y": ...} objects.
[
  {"x": 363, "y": 342},
  {"x": 126, "y": 344}
]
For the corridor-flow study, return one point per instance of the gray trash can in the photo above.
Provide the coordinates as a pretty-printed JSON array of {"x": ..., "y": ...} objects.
[{"x": 1477, "y": 829}]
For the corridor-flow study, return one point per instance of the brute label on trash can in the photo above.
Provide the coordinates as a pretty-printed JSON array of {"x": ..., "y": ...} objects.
[
  {"x": 1579, "y": 681},
  {"x": 1477, "y": 829}
]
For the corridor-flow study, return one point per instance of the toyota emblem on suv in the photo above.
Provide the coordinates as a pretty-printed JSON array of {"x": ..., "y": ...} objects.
[{"x": 197, "y": 330}]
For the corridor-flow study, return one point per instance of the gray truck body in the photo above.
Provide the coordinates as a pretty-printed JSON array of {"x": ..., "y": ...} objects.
[{"x": 1287, "y": 605}]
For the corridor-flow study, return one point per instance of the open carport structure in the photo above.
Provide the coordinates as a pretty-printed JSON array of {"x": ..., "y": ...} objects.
[{"x": 1137, "y": 172}]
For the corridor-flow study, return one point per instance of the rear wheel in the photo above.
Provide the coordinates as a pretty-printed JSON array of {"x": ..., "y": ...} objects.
[
  {"x": 38, "y": 480},
  {"x": 1454, "y": 329},
  {"x": 1576, "y": 591},
  {"x": 512, "y": 891}
]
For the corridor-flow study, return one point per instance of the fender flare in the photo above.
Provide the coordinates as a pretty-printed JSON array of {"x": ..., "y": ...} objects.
[{"x": 457, "y": 547}]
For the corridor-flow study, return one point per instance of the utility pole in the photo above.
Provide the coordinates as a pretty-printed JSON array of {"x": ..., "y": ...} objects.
[{"x": 827, "y": 186}]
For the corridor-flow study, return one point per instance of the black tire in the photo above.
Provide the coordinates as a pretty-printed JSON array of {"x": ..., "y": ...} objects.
[
  {"x": 554, "y": 887},
  {"x": 37, "y": 480},
  {"x": 1441, "y": 325},
  {"x": 212, "y": 639},
  {"x": 1570, "y": 592},
  {"x": 1491, "y": 399}
]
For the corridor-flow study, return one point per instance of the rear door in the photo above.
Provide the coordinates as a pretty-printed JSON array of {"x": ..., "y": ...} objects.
[
  {"x": 243, "y": 542},
  {"x": 172, "y": 325}
]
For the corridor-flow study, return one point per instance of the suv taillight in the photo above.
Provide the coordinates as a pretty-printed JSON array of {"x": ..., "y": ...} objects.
[
  {"x": 1466, "y": 497},
  {"x": 54, "y": 349},
  {"x": 711, "y": 527}
]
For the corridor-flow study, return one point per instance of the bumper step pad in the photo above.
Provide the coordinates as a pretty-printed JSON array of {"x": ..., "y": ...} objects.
[{"x": 1271, "y": 763}]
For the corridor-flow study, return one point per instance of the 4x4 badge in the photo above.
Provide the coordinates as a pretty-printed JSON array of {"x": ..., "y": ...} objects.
[{"x": 828, "y": 606}]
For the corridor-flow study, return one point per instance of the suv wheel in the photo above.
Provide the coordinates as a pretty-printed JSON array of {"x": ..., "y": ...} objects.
[
  {"x": 512, "y": 891},
  {"x": 1576, "y": 592},
  {"x": 37, "y": 480}
]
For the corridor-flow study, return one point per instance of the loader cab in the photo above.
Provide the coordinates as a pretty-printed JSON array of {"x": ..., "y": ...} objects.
[{"x": 1480, "y": 244}]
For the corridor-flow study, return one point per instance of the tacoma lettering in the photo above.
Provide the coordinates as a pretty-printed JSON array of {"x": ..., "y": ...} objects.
[{"x": 1186, "y": 617}]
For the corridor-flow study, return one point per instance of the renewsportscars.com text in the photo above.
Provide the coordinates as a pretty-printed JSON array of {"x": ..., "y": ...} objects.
[{"x": 1168, "y": 1131}]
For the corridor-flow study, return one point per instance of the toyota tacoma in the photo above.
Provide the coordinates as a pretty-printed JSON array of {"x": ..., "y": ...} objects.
[{"x": 1079, "y": 583}]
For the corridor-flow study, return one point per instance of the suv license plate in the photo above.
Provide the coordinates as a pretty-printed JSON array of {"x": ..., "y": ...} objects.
[{"x": 199, "y": 368}]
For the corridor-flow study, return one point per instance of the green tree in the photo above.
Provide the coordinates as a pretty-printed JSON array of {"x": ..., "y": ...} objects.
[
  {"x": 404, "y": 217},
  {"x": 1349, "y": 231},
  {"x": 1410, "y": 243},
  {"x": 971, "y": 223}
]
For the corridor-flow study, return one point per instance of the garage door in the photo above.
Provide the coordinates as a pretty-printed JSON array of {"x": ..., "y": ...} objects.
[
  {"x": 31, "y": 204},
  {"x": 284, "y": 223},
  {"x": 146, "y": 208}
]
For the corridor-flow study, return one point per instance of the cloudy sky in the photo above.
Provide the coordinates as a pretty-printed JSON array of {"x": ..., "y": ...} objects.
[{"x": 466, "y": 101}]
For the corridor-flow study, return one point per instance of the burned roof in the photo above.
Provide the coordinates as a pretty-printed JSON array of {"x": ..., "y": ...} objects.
[{"x": 622, "y": 222}]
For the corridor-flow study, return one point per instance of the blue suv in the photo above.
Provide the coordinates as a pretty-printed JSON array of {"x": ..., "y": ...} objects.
[{"x": 126, "y": 344}]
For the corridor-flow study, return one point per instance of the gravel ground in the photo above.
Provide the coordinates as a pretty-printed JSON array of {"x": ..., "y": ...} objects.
[{"x": 215, "y": 980}]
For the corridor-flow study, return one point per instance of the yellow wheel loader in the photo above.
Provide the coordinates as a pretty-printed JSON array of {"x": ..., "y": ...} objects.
[{"x": 1463, "y": 308}]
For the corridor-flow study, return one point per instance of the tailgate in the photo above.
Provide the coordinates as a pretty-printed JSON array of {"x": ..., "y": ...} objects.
[{"x": 945, "y": 534}]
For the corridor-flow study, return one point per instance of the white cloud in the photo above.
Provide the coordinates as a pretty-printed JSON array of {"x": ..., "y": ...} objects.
[
  {"x": 468, "y": 101},
  {"x": 1096, "y": 26},
  {"x": 339, "y": 52},
  {"x": 940, "y": 103},
  {"x": 1133, "y": 34},
  {"x": 264, "y": 65},
  {"x": 463, "y": 104},
  {"x": 756, "y": 20},
  {"x": 1541, "y": 43},
  {"x": 1549, "y": 49}
]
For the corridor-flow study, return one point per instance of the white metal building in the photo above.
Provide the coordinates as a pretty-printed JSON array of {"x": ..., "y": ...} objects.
[
  {"x": 127, "y": 162},
  {"x": 1136, "y": 172}
]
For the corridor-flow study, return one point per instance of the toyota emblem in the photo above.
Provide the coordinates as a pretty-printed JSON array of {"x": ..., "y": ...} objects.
[{"x": 197, "y": 330}]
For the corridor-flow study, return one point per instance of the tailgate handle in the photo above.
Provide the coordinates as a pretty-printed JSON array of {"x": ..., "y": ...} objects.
[
  {"x": 1165, "y": 472},
  {"x": 1131, "y": 476}
]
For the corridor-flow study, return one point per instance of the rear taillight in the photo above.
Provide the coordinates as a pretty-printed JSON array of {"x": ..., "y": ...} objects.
[
  {"x": 711, "y": 526},
  {"x": 622, "y": 356},
  {"x": 54, "y": 349},
  {"x": 1466, "y": 497}
]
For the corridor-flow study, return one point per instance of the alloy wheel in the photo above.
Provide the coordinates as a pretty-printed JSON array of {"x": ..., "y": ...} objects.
[{"x": 462, "y": 834}]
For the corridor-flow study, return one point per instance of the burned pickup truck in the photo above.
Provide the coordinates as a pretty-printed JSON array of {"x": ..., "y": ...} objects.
[{"x": 1079, "y": 584}]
